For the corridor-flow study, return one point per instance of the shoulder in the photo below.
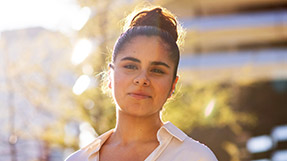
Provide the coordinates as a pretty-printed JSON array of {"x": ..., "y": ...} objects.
[
  {"x": 187, "y": 150},
  {"x": 198, "y": 150},
  {"x": 183, "y": 147}
]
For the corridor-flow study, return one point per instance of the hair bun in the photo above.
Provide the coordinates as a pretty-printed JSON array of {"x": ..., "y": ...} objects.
[{"x": 158, "y": 18}]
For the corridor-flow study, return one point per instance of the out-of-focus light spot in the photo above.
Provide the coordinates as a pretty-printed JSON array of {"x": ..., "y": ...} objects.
[
  {"x": 81, "y": 51},
  {"x": 279, "y": 133},
  {"x": 13, "y": 139},
  {"x": 280, "y": 155},
  {"x": 89, "y": 104},
  {"x": 87, "y": 69},
  {"x": 209, "y": 108},
  {"x": 262, "y": 160},
  {"x": 81, "y": 18},
  {"x": 81, "y": 84},
  {"x": 259, "y": 144},
  {"x": 87, "y": 134}
]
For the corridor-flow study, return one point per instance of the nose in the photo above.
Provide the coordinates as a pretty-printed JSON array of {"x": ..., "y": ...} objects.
[{"x": 142, "y": 80}]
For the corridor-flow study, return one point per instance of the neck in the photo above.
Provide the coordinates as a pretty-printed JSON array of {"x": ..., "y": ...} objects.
[{"x": 133, "y": 129}]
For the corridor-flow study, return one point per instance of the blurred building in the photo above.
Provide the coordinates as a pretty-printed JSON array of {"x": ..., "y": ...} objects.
[{"x": 236, "y": 38}]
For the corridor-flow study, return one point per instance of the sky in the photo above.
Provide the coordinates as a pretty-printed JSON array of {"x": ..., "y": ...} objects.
[{"x": 60, "y": 15}]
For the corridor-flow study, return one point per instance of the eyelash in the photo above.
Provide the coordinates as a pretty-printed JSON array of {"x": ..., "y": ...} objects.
[
  {"x": 134, "y": 67},
  {"x": 130, "y": 66},
  {"x": 157, "y": 71}
]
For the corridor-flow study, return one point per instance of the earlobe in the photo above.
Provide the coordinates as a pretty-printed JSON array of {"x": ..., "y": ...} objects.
[
  {"x": 110, "y": 84},
  {"x": 174, "y": 83}
]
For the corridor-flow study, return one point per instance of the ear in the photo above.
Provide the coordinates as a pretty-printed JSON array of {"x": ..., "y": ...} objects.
[{"x": 173, "y": 86}]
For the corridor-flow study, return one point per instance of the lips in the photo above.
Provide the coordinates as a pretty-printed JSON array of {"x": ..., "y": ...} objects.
[{"x": 139, "y": 95}]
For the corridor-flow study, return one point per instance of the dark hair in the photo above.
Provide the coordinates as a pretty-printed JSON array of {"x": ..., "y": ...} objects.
[{"x": 153, "y": 22}]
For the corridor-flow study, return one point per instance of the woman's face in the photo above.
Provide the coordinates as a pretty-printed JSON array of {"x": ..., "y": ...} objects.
[{"x": 142, "y": 76}]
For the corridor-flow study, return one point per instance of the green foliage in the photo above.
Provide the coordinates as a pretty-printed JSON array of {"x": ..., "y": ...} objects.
[
  {"x": 99, "y": 110},
  {"x": 187, "y": 110}
]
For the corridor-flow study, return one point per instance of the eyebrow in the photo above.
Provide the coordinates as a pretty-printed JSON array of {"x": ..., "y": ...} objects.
[
  {"x": 160, "y": 63},
  {"x": 138, "y": 61},
  {"x": 131, "y": 59}
]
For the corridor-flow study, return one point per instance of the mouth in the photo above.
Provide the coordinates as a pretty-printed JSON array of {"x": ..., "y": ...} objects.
[{"x": 139, "y": 95}]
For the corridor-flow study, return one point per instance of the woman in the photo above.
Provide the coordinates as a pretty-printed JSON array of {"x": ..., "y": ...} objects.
[{"x": 142, "y": 76}]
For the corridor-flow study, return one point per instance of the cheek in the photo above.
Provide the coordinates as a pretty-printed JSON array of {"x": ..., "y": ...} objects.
[
  {"x": 118, "y": 82},
  {"x": 163, "y": 88}
]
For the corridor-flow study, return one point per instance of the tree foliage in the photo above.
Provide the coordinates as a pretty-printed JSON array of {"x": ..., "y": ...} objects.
[{"x": 189, "y": 107}]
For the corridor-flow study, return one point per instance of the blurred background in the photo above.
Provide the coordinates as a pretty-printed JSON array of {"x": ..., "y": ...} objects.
[{"x": 232, "y": 94}]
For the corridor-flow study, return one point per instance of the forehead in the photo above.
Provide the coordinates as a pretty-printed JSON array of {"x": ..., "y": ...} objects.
[{"x": 150, "y": 48}]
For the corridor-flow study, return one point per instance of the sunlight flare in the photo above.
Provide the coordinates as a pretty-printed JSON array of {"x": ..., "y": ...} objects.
[
  {"x": 81, "y": 51},
  {"x": 209, "y": 108},
  {"x": 81, "y": 84}
]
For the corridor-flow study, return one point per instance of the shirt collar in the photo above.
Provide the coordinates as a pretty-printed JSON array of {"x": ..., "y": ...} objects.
[
  {"x": 95, "y": 146},
  {"x": 171, "y": 130},
  {"x": 166, "y": 131}
]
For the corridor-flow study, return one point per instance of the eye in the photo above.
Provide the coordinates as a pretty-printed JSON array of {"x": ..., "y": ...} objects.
[
  {"x": 130, "y": 67},
  {"x": 159, "y": 71}
]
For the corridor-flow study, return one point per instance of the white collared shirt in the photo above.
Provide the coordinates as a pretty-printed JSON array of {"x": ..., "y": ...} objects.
[{"x": 174, "y": 145}]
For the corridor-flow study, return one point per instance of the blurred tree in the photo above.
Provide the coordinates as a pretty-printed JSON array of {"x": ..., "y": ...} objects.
[{"x": 200, "y": 104}]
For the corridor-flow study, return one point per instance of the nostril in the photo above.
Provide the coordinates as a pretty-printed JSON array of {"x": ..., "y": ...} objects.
[
  {"x": 142, "y": 79},
  {"x": 146, "y": 82},
  {"x": 136, "y": 81}
]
